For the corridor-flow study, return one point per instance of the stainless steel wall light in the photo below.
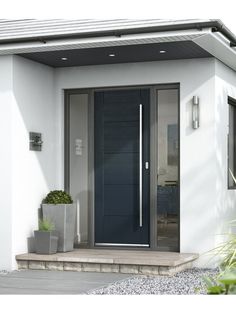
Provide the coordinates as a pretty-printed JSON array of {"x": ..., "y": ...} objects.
[{"x": 195, "y": 112}]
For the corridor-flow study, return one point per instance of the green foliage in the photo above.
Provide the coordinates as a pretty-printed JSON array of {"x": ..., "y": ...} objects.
[
  {"x": 58, "y": 197},
  {"x": 227, "y": 250},
  {"x": 46, "y": 225},
  {"x": 225, "y": 283}
]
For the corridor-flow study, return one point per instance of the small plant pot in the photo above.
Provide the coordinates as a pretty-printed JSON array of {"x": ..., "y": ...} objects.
[
  {"x": 46, "y": 242},
  {"x": 31, "y": 245}
]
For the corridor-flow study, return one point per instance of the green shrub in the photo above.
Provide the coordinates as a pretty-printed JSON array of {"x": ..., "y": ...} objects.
[
  {"x": 227, "y": 250},
  {"x": 58, "y": 197},
  {"x": 225, "y": 283},
  {"x": 46, "y": 225}
]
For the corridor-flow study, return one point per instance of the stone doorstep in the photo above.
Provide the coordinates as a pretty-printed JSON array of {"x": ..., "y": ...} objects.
[
  {"x": 129, "y": 259},
  {"x": 107, "y": 261},
  {"x": 101, "y": 267}
]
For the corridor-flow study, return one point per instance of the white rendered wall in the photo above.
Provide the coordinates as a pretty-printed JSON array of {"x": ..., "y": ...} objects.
[
  {"x": 27, "y": 104},
  {"x": 198, "y": 164},
  {"x": 6, "y": 104},
  {"x": 35, "y": 173},
  {"x": 226, "y": 199}
]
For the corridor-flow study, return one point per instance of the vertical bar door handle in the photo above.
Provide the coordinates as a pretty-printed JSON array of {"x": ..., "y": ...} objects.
[{"x": 140, "y": 165}]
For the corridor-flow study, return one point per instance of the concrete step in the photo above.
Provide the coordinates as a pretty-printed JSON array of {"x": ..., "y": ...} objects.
[{"x": 111, "y": 261}]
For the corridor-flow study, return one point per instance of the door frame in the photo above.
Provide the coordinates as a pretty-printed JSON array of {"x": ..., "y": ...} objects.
[{"x": 153, "y": 157}]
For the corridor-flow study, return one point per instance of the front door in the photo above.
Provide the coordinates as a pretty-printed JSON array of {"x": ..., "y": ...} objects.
[{"x": 122, "y": 138}]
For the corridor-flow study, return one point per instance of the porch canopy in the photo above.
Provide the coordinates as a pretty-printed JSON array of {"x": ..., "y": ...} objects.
[{"x": 64, "y": 43}]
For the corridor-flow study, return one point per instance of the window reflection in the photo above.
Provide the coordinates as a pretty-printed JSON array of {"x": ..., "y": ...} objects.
[{"x": 167, "y": 172}]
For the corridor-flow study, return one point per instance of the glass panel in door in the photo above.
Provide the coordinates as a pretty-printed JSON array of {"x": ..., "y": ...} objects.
[{"x": 167, "y": 188}]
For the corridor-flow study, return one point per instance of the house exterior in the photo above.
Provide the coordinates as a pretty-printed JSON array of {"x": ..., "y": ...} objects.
[{"x": 136, "y": 119}]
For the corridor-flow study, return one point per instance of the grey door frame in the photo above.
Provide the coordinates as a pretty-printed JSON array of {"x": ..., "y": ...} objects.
[{"x": 153, "y": 156}]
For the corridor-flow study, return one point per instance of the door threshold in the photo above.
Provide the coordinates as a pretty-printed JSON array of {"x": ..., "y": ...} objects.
[{"x": 122, "y": 244}]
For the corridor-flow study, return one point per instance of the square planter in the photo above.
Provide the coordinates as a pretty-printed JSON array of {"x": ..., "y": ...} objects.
[
  {"x": 63, "y": 216},
  {"x": 46, "y": 242},
  {"x": 31, "y": 245}
]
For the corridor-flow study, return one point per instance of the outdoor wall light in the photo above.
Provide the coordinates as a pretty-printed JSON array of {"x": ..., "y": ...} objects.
[
  {"x": 35, "y": 141},
  {"x": 195, "y": 112}
]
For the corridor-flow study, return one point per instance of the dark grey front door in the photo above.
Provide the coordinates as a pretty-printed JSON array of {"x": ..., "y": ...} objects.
[{"x": 122, "y": 167}]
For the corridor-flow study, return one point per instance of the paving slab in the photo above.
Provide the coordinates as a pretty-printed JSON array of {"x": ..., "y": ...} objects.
[{"x": 36, "y": 282}]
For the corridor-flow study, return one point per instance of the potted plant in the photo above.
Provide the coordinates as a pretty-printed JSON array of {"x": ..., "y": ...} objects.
[
  {"x": 46, "y": 240},
  {"x": 59, "y": 208}
]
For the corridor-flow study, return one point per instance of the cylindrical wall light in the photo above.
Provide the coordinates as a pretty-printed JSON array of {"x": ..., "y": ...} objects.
[{"x": 195, "y": 112}]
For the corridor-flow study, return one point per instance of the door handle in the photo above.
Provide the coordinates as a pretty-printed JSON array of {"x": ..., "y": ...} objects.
[{"x": 140, "y": 165}]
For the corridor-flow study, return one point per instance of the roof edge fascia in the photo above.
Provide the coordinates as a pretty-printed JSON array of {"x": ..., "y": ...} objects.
[
  {"x": 96, "y": 42},
  {"x": 218, "y": 47}
]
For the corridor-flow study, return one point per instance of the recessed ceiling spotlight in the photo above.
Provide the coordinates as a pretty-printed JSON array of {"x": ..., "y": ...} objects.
[
  {"x": 112, "y": 55},
  {"x": 162, "y": 51},
  {"x": 64, "y": 58}
]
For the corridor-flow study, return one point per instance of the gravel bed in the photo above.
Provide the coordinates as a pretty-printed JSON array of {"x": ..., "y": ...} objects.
[{"x": 185, "y": 282}]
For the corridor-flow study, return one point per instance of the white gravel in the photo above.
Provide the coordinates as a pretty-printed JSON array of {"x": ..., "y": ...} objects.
[{"x": 186, "y": 282}]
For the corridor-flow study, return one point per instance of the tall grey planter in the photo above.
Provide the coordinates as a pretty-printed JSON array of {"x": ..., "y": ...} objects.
[{"x": 63, "y": 216}]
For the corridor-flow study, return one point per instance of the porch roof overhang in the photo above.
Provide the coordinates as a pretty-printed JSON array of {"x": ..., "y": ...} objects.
[{"x": 91, "y": 42}]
